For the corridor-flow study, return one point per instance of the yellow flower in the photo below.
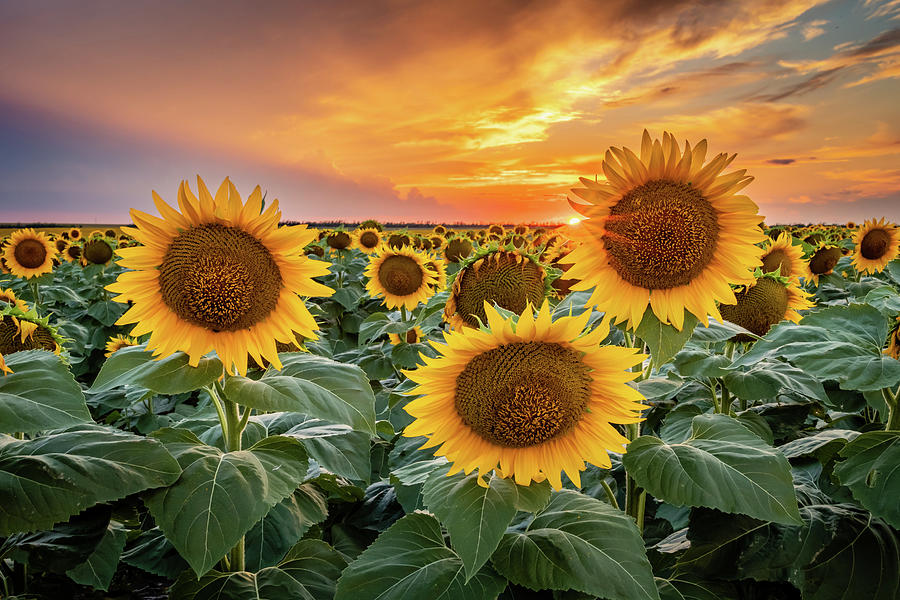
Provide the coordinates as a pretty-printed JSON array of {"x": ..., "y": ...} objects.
[
  {"x": 29, "y": 254},
  {"x": 666, "y": 231},
  {"x": 532, "y": 399},
  {"x": 822, "y": 262},
  {"x": 413, "y": 336},
  {"x": 219, "y": 275},
  {"x": 401, "y": 276},
  {"x": 8, "y": 298},
  {"x": 118, "y": 342},
  {"x": 768, "y": 301},
  {"x": 876, "y": 245},
  {"x": 367, "y": 240},
  {"x": 784, "y": 255}
]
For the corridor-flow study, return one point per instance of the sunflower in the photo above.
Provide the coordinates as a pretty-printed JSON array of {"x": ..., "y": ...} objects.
[
  {"x": 413, "y": 336},
  {"x": 398, "y": 240},
  {"x": 72, "y": 253},
  {"x": 507, "y": 277},
  {"x": 117, "y": 342},
  {"x": 822, "y": 262},
  {"x": 110, "y": 233},
  {"x": 21, "y": 330},
  {"x": 665, "y": 230},
  {"x": 339, "y": 240},
  {"x": 74, "y": 234},
  {"x": 876, "y": 245},
  {"x": 532, "y": 398},
  {"x": 520, "y": 229},
  {"x": 61, "y": 244},
  {"x": 893, "y": 347},
  {"x": 439, "y": 229},
  {"x": 29, "y": 254},
  {"x": 367, "y": 240},
  {"x": 438, "y": 269},
  {"x": 436, "y": 241},
  {"x": 97, "y": 251},
  {"x": 401, "y": 275},
  {"x": 783, "y": 256},
  {"x": 457, "y": 249},
  {"x": 8, "y": 298},
  {"x": 496, "y": 230},
  {"x": 219, "y": 275},
  {"x": 371, "y": 224},
  {"x": 770, "y": 300}
]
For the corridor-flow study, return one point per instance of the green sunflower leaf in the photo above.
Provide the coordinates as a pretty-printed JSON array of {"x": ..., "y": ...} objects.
[
  {"x": 722, "y": 465},
  {"x": 39, "y": 394},
  {"x": 872, "y": 473},
  {"x": 476, "y": 516},
  {"x": 578, "y": 543},
  {"x": 410, "y": 560},
  {"x": 169, "y": 375},
  {"x": 664, "y": 340}
]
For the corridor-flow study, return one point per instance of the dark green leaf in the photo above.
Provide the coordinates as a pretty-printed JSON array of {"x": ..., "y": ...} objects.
[
  {"x": 107, "y": 312},
  {"x": 270, "y": 539},
  {"x": 871, "y": 470},
  {"x": 98, "y": 570},
  {"x": 170, "y": 375},
  {"x": 766, "y": 379},
  {"x": 664, "y": 341}
]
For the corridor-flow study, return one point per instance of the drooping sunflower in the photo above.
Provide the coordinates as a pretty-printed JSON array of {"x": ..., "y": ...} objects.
[
  {"x": 97, "y": 251},
  {"x": 29, "y": 253},
  {"x": 893, "y": 347},
  {"x": 371, "y": 224},
  {"x": 399, "y": 240},
  {"x": 118, "y": 342},
  {"x": 822, "y": 262},
  {"x": 665, "y": 230},
  {"x": 770, "y": 300},
  {"x": 61, "y": 244},
  {"x": 438, "y": 269},
  {"x": 531, "y": 398},
  {"x": 413, "y": 336},
  {"x": 219, "y": 275},
  {"x": 8, "y": 298},
  {"x": 496, "y": 229},
  {"x": 339, "y": 240},
  {"x": 876, "y": 245},
  {"x": 24, "y": 330},
  {"x": 457, "y": 249},
  {"x": 401, "y": 276},
  {"x": 110, "y": 233},
  {"x": 508, "y": 277},
  {"x": 783, "y": 256},
  {"x": 367, "y": 240}
]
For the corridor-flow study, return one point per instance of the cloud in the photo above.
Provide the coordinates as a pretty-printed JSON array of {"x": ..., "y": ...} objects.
[
  {"x": 781, "y": 161},
  {"x": 813, "y": 29}
]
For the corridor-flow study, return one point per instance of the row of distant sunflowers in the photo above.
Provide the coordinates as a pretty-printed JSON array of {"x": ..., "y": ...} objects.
[{"x": 666, "y": 237}]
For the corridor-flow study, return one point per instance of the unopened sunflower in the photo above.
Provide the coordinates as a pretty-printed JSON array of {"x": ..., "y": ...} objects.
[
  {"x": 508, "y": 277},
  {"x": 29, "y": 254},
  {"x": 876, "y": 245},
  {"x": 666, "y": 231},
  {"x": 531, "y": 398},
  {"x": 783, "y": 256},
  {"x": 401, "y": 276},
  {"x": 219, "y": 275},
  {"x": 339, "y": 240},
  {"x": 118, "y": 342},
  {"x": 413, "y": 336},
  {"x": 367, "y": 240},
  {"x": 770, "y": 300}
]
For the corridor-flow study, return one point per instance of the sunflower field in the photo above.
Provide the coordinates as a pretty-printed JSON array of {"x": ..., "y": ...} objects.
[{"x": 668, "y": 400}]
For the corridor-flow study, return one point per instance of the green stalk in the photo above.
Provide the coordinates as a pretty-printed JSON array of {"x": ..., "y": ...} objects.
[
  {"x": 403, "y": 314},
  {"x": 220, "y": 410},
  {"x": 609, "y": 493},
  {"x": 35, "y": 294},
  {"x": 726, "y": 399},
  {"x": 235, "y": 423},
  {"x": 890, "y": 398}
]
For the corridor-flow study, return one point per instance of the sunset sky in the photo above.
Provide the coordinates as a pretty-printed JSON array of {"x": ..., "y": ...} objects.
[{"x": 440, "y": 111}]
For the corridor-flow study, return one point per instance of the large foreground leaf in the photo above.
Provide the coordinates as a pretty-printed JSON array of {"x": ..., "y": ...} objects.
[
  {"x": 722, "y": 465},
  {"x": 169, "y": 375},
  {"x": 40, "y": 394},
  {"x": 220, "y": 495},
  {"x": 315, "y": 386},
  {"x": 475, "y": 516},
  {"x": 308, "y": 572},
  {"x": 872, "y": 472},
  {"x": 410, "y": 560},
  {"x": 49, "y": 479},
  {"x": 579, "y": 543}
]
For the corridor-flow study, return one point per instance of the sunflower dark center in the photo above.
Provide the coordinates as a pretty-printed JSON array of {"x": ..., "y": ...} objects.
[
  {"x": 11, "y": 338},
  {"x": 661, "y": 235},
  {"x": 31, "y": 254},
  {"x": 61, "y": 244},
  {"x": 339, "y": 240},
  {"x": 775, "y": 259},
  {"x": 412, "y": 337},
  {"x": 400, "y": 275},
  {"x": 501, "y": 279},
  {"x": 398, "y": 240},
  {"x": 368, "y": 239},
  {"x": 758, "y": 308},
  {"x": 220, "y": 278},
  {"x": 875, "y": 244},
  {"x": 824, "y": 260},
  {"x": 98, "y": 252},
  {"x": 74, "y": 251},
  {"x": 523, "y": 394}
]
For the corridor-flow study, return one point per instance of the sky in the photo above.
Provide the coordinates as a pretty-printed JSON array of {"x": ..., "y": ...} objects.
[{"x": 443, "y": 111}]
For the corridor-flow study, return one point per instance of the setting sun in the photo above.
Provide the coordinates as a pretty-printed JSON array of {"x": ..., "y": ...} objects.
[{"x": 574, "y": 221}]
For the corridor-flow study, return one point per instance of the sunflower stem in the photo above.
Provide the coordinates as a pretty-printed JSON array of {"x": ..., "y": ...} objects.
[
  {"x": 641, "y": 505},
  {"x": 711, "y": 386},
  {"x": 220, "y": 410},
  {"x": 729, "y": 350},
  {"x": 35, "y": 294},
  {"x": 609, "y": 494},
  {"x": 893, "y": 420},
  {"x": 402, "y": 314},
  {"x": 726, "y": 399}
]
